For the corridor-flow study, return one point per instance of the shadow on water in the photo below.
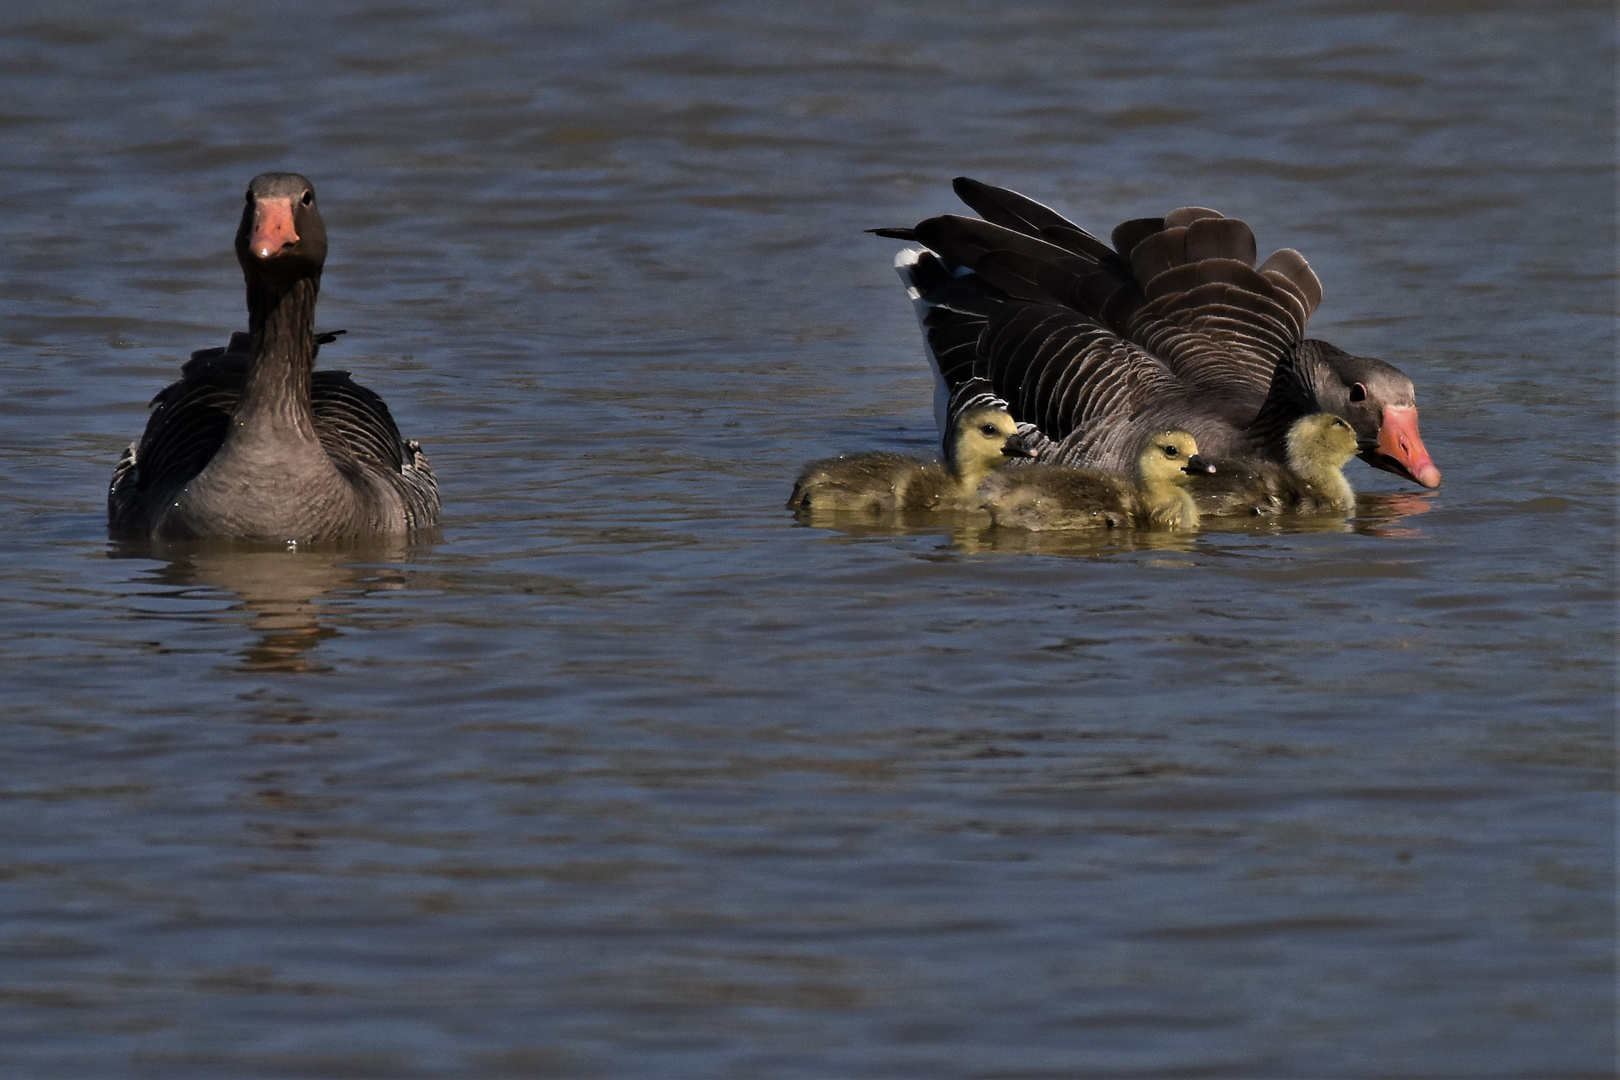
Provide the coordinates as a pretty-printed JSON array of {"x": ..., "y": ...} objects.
[{"x": 278, "y": 588}]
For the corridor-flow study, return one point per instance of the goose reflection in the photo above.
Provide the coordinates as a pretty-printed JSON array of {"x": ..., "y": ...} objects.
[
  {"x": 1380, "y": 515},
  {"x": 279, "y": 589}
]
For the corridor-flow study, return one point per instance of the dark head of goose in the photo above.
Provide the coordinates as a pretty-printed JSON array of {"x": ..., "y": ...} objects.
[{"x": 281, "y": 233}]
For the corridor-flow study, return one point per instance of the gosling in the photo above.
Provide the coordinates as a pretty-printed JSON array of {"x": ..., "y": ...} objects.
[
  {"x": 1318, "y": 448},
  {"x": 982, "y": 439},
  {"x": 1059, "y": 497}
]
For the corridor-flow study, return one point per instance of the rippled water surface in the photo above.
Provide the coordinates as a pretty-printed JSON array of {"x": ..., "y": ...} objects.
[{"x": 626, "y": 772}]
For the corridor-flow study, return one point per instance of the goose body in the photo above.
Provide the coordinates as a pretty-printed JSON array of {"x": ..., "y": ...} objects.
[
  {"x": 1313, "y": 481},
  {"x": 982, "y": 437},
  {"x": 1174, "y": 326},
  {"x": 253, "y": 444},
  {"x": 1045, "y": 497}
]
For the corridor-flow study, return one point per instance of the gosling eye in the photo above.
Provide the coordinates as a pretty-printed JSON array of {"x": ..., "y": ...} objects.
[
  {"x": 1170, "y": 451},
  {"x": 988, "y": 430},
  {"x": 309, "y": 197},
  {"x": 1358, "y": 393},
  {"x": 1340, "y": 423}
]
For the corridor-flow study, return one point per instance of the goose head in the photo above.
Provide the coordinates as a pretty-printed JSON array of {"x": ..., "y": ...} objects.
[
  {"x": 281, "y": 235},
  {"x": 982, "y": 440},
  {"x": 1381, "y": 405},
  {"x": 1169, "y": 458}
]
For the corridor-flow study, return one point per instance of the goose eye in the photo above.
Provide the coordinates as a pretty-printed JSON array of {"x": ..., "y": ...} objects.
[
  {"x": 309, "y": 196},
  {"x": 1358, "y": 393},
  {"x": 1170, "y": 451},
  {"x": 990, "y": 430}
]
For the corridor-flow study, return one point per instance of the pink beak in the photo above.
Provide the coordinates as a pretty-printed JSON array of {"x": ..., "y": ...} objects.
[
  {"x": 273, "y": 228},
  {"x": 1400, "y": 449}
]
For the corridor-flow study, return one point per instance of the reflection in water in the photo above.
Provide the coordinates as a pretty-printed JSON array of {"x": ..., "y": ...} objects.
[
  {"x": 1376, "y": 515},
  {"x": 279, "y": 587},
  {"x": 972, "y": 533},
  {"x": 1074, "y": 543}
]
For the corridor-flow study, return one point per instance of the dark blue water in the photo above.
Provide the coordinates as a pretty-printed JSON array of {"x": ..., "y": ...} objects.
[{"x": 627, "y": 773}]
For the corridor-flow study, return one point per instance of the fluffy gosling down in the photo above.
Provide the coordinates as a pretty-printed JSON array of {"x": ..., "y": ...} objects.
[
  {"x": 1319, "y": 446},
  {"x": 1059, "y": 497},
  {"x": 982, "y": 437}
]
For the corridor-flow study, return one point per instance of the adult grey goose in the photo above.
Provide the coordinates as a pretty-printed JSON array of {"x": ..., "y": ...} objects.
[
  {"x": 252, "y": 443},
  {"x": 1174, "y": 326}
]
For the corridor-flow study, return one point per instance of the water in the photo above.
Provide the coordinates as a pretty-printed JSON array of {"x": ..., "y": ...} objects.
[{"x": 627, "y": 773}]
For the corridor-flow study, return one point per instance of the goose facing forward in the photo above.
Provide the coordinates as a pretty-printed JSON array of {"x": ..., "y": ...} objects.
[
  {"x": 1319, "y": 446},
  {"x": 1064, "y": 497},
  {"x": 253, "y": 444},
  {"x": 1174, "y": 326},
  {"x": 982, "y": 437}
]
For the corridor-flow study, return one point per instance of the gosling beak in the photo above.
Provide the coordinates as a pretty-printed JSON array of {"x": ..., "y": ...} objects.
[
  {"x": 1399, "y": 448},
  {"x": 1198, "y": 466},
  {"x": 273, "y": 228},
  {"x": 1017, "y": 445}
]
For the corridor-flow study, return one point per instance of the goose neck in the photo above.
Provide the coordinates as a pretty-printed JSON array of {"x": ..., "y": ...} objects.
[
  {"x": 281, "y": 323},
  {"x": 1290, "y": 396}
]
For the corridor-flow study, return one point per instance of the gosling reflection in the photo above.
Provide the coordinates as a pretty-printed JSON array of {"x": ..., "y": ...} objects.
[
  {"x": 280, "y": 589},
  {"x": 971, "y": 531},
  {"x": 1073, "y": 543}
]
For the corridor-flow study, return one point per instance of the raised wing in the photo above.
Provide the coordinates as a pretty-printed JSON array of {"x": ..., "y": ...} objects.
[{"x": 1174, "y": 320}]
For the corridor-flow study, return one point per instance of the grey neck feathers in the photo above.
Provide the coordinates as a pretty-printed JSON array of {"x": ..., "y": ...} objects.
[{"x": 281, "y": 322}]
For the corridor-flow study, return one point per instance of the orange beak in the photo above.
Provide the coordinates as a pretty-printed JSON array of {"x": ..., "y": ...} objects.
[
  {"x": 273, "y": 230},
  {"x": 1400, "y": 450}
]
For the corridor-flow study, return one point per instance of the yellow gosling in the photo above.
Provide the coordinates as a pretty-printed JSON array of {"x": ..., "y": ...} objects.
[
  {"x": 1059, "y": 497},
  {"x": 1319, "y": 446},
  {"x": 982, "y": 440}
]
